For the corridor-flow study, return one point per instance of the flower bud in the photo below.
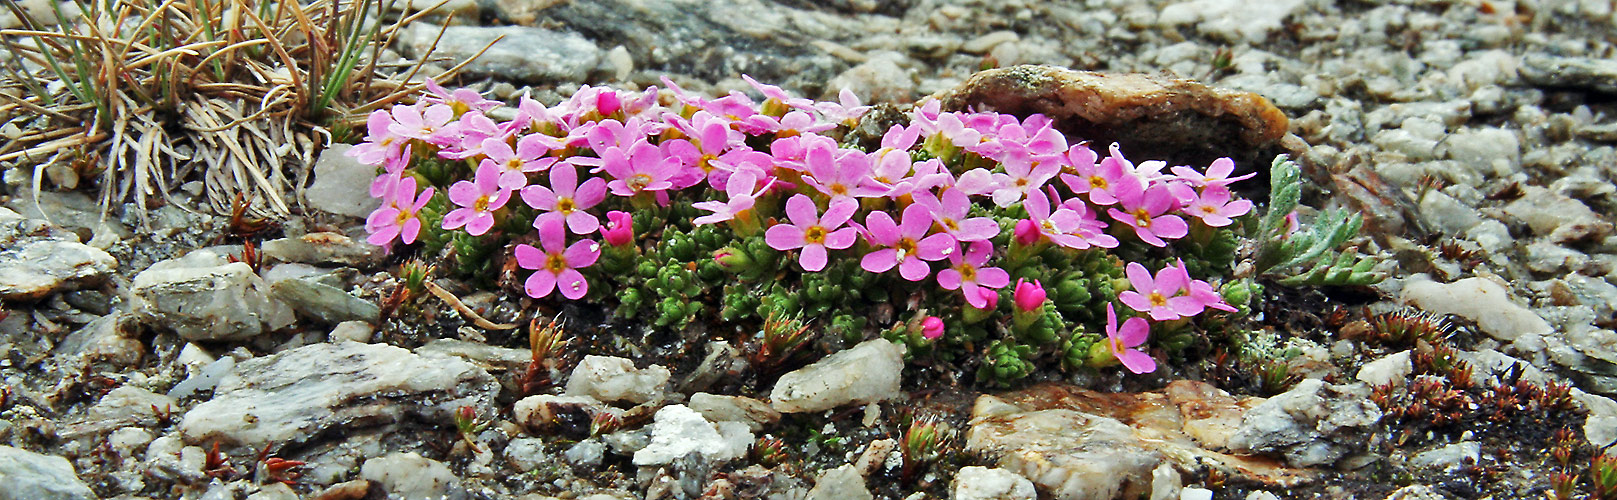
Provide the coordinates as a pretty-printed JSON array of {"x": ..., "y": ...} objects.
[
  {"x": 732, "y": 260},
  {"x": 1029, "y": 296},
  {"x": 932, "y": 328},
  {"x": 1027, "y": 232},
  {"x": 619, "y": 228}
]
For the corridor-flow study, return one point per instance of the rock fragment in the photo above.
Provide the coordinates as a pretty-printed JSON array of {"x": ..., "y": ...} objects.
[
  {"x": 32, "y": 476},
  {"x": 225, "y": 302},
  {"x": 611, "y": 379},
  {"x": 38, "y": 259},
  {"x": 1479, "y": 300},
  {"x": 409, "y": 476},
  {"x": 524, "y": 54},
  {"x": 1150, "y": 116},
  {"x": 991, "y": 483},
  {"x": 868, "y": 372},
  {"x": 677, "y": 431},
  {"x": 294, "y": 395},
  {"x": 1312, "y": 424}
]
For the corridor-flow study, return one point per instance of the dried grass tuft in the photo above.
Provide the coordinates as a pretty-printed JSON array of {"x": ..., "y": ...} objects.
[{"x": 146, "y": 94}]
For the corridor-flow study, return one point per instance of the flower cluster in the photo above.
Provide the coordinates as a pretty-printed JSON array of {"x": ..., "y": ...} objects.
[{"x": 954, "y": 198}]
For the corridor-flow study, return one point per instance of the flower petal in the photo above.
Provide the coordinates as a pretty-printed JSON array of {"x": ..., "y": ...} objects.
[
  {"x": 539, "y": 284},
  {"x": 813, "y": 257},
  {"x": 784, "y": 237},
  {"x": 572, "y": 285}
]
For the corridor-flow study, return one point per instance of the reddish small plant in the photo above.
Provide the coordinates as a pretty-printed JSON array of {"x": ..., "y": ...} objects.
[
  {"x": 217, "y": 464},
  {"x": 280, "y": 470},
  {"x": 547, "y": 348}
]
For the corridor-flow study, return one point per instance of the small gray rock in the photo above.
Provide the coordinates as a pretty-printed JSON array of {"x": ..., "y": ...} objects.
[
  {"x": 324, "y": 303},
  {"x": 609, "y": 379},
  {"x": 1449, "y": 457},
  {"x": 409, "y": 476},
  {"x": 339, "y": 184},
  {"x": 991, "y": 483},
  {"x": 324, "y": 248},
  {"x": 37, "y": 259},
  {"x": 1597, "y": 74},
  {"x": 534, "y": 55},
  {"x": 32, "y": 476},
  {"x": 841, "y": 483},
  {"x": 868, "y": 372},
  {"x": 1312, "y": 424},
  {"x": 526, "y": 454},
  {"x": 293, "y": 395},
  {"x": 226, "y": 302}
]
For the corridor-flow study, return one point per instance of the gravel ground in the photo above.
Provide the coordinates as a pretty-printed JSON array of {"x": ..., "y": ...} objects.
[{"x": 1475, "y": 137}]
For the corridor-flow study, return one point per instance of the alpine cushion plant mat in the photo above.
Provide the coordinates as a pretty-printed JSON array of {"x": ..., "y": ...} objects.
[{"x": 976, "y": 238}]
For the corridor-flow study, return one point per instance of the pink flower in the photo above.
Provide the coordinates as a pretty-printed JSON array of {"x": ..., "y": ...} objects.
[
  {"x": 478, "y": 200},
  {"x": 1059, "y": 227},
  {"x": 398, "y": 217},
  {"x": 460, "y": 100},
  {"x": 1090, "y": 228},
  {"x": 393, "y": 169},
  {"x": 1122, "y": 343},
  {"x": 1026, "y": 232},
  {"x": 555, "y": 267},
  {"x": 990, "y": 298},
  {"x": 1214, "y": 207},
  {"x": 514, "y": 165},
  {"x": 932, "y": 328},
  {"x": 619, "y": 228},
  {"x": 951, "y": 212},
  {"x": 813, "y": 232},
  {"x": 778, "y": 94},
  {"x": 847, "y": 108},
  {"x": 381, "y": 145},
  {"x": 465, "y": 138},
  {"x": 1218, "y": 174},
  {"x": 1204, "y": 293},
  {"x": 643, "y": 168},
  {"x": 839, "y": 173},
  {"x": 1144, "y": 210},
  {"x": 1102, "y": 180},
  {"x": 968, "y": 275},
  {"x": 742, "y": 191},
  {"x": 1029, "y": 296},
  {"x": 1159, "y": 297},
  {"x": 414, "y": 122},
  {"x": 905, "y": 244},
  {"x": 566, "y": 199}
]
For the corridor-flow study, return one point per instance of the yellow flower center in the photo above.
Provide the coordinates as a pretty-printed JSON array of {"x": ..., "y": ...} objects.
[
  {"x": 951, "y": 224},
  {"x": 565, "y": 205},
  {"x": 1142, "y": 217},
  {"x": 814, "y": 235},
  {"x": 1097, "y": 182},
  {"x": 481, "y": 205},
  {"x": 967, "y": 273},
  {"x": 1157, "y": 300},
  {"x": 638, "y": 182},
  {"x": 556, "y": 263}
]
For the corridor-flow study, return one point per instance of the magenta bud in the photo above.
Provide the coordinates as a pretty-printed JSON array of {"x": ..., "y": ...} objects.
[
  {"x": 1027, "y": 232},
  {"x": 607, "y": 102},
  {"x": 931, "y": 328},
  {"x": 619, "y": 228},
  {"x": 1029, "y": 296}
]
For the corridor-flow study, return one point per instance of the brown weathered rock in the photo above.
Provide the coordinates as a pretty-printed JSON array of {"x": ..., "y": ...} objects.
[
  {"x": 1075, "y": 443},
  {"x": 1150, "y": 116}
]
